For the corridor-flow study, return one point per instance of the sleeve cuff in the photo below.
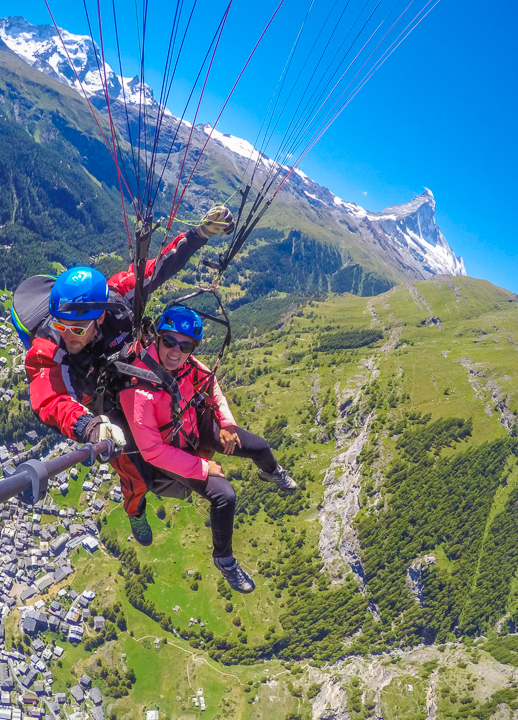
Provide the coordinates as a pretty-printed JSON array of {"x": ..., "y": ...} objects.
[
  {"x": 80, "y": 426},
  {"x": 226, "y": 423},
  {"x": 204, "y": 469}
]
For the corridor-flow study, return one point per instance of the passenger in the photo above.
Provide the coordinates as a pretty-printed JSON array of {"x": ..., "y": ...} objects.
[{"x": 184, "y": 457}]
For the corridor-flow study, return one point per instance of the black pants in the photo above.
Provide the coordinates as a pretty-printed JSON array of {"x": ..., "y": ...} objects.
[{"x": 217, "y": 490}]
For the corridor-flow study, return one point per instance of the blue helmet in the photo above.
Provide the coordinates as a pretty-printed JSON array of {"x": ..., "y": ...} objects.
[
  {"x": 181, "y": 320},
  {"x": 78, "y": 285}
]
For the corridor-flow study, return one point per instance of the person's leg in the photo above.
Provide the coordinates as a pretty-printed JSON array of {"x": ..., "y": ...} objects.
[
  {"x": 220, "y": 493},
  {"x": 258, "y": 450},
  {"x": 133, "y": 483},
  {"x": 135, "y": 479},
  {"x": 253, "y": 447}
]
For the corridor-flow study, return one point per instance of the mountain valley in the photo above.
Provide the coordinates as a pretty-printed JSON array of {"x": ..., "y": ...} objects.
[{"x": 383, "y": 377}]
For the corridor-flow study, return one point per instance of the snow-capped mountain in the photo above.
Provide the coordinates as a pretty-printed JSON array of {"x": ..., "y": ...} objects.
[
  {"x": 414, "y": 233},
  {"x": 405, "y": 237},
  {"x": 41, "y": 47},
  {"x": 408, "y": 232}
]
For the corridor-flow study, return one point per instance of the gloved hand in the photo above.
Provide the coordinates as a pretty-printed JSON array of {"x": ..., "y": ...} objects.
[
  {"x": 219, "y": 219},
  {"x": 101, "y": 428}
]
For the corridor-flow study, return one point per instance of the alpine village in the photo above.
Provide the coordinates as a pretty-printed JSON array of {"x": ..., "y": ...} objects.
[{"x": 381, "y": 376}]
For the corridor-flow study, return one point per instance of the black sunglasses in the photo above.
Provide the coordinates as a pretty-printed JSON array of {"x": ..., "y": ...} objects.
[{"x": 185, "y": 345}]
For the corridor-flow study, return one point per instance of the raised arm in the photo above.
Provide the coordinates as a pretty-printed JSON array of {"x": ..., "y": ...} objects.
[{"x": 176, "y": 254}]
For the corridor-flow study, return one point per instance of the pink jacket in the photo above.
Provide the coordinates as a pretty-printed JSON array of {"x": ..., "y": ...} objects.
[{"x": 146, "y": 411}]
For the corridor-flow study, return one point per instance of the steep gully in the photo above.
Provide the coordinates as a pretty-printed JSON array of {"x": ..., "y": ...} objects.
[
  {"x": 477, "y": 379},
  {"x": 339, "y": 545}
]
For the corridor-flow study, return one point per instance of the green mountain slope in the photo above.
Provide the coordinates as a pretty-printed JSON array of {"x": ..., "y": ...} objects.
[
  {"x": 60, "y": 200},
  {"x": 401, "y": 540}
]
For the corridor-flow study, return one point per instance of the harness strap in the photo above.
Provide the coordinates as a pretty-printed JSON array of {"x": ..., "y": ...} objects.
[
  {"x": 168, "y": 382},
  {"x": 136, "y": 372}
]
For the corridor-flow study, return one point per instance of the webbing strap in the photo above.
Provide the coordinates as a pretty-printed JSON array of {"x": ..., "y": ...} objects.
[
  {"x": 168, "y": 382},
  {"x": 136, "y": 372}
]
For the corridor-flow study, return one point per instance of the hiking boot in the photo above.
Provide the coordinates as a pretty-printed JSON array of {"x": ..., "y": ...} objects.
[
  {"x": 236, "y": 577},
  {"x": 280, "y": 477},
  {"x": 141, "y": 529}
]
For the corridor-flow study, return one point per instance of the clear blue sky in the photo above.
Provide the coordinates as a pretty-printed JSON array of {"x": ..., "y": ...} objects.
[{"x": 441, "y": 113}]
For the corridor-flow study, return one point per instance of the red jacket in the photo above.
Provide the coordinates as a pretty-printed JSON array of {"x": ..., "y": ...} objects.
[
  {"x": 63, "y": 386},
  {"x": 146, "y": 411}
]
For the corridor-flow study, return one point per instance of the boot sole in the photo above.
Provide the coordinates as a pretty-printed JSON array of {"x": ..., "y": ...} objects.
[
  {"x": 237, "y": 589},
  {"x": 286, "y": 490}
]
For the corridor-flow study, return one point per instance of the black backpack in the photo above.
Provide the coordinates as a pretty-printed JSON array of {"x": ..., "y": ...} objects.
[{"x": 31, "y": 306}]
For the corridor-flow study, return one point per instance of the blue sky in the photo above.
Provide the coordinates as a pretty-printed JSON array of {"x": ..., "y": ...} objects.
[{"x": 440, "y": 113}]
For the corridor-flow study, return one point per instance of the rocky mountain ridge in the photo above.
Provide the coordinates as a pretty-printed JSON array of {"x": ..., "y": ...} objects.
[{"x": 405, "y": 238}]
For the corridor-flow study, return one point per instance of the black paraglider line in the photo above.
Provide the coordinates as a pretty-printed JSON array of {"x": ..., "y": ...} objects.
[
  {"x": 112, "y": 128},
  {"x": 185, "y": 110},
  {"x": 174, "y": 207},
  {"x": 307, "y": 129},
  {"x": 360, "y": 70},
  {"x": 267, "y": 139},
  {"x": 140, "y": 121},
  {"x": 269, "y": 179},
  {"x": 242, "y": 233},
  {"x": 164, "y": 95},
  {"x": 270, "y": 176},
  {"x": 280, "y": 82},
  {"x": 171, "y": 215},
  {"x": 371, "y": 72},
  {"x": 124, "y": 95},
  {"x": 300, "y": 120},
  {"x": 85, "y": 94},
  {"x": 173, "y": 211},
  {"x": 215, "y": 42},
  {"x": 98, "y": 63}
]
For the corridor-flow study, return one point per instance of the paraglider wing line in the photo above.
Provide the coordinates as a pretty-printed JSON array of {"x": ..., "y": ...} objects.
[
  {"x": 112, "y": 127},
  {"x": 173, "y": 212},
  {"x": 174, "y": 208},
  {"x": 396, "y": 43},
  {"x": 98, "y": 63},
  {"x": 124, "y": 97},
  {"x": 186, "y": 105},
  {"x": 82, "y": 87}
]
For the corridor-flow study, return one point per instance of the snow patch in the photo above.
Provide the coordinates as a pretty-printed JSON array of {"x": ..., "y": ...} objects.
[
  {"x": 301, "y": 174},
  {"x": 314, "y": 197}
]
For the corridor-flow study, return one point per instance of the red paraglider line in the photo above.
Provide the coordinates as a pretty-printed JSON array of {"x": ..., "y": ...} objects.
[
  {"x": 105, "y": 87},
  {"x": 87, "y": 100}
]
